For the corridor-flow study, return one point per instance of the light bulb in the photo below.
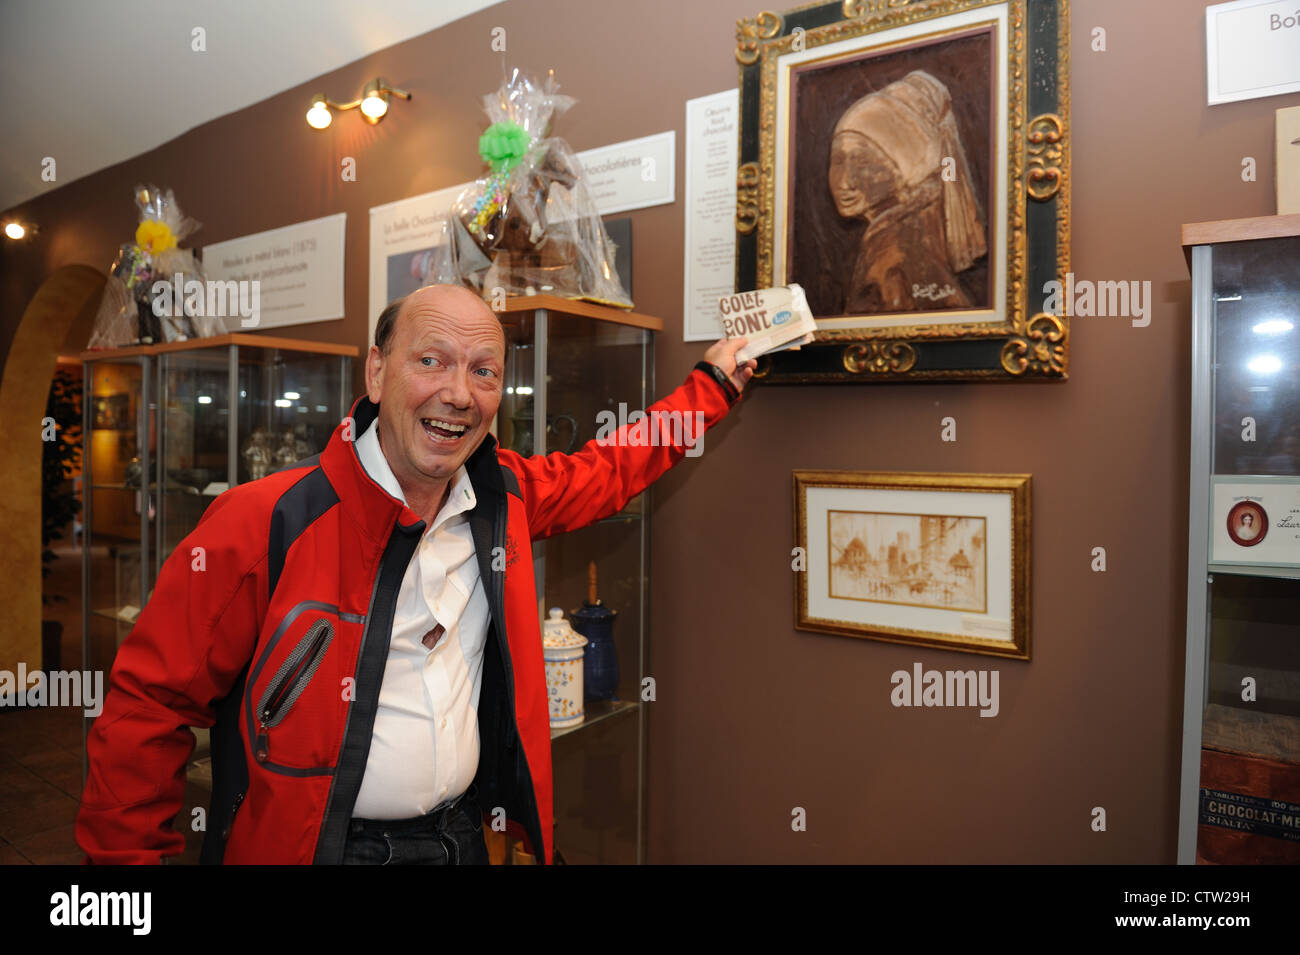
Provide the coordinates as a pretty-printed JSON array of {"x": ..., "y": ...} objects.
[
  {"x": 15, "y": 230},
  {"x": 319, "y": 116},
  {"x": 374, "y": 105}
]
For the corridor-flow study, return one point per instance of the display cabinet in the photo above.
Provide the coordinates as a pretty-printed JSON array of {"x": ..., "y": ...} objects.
[
  {"x": 567, "y": 362},
  {"x": 169, "y": 427},
  {"x": 1240, "y": 785}
]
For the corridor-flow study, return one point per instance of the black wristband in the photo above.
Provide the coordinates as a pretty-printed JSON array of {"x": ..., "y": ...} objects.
[{"x": 724, "y": 382}]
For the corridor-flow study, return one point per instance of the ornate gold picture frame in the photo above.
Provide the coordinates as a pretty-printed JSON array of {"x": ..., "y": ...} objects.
[
  {"x": 907, "y": 163},
  {"x": 933, "y": 560}
]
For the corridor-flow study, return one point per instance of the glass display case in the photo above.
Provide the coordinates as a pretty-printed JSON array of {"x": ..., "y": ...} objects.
[
  {"x": 1240, "y": 786},
  {"x": 169, "y": 427},
  {"x": 566, "y": 363}
]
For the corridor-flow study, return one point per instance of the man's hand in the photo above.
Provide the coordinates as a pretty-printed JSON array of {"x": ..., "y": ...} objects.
[{"x": 723, "y": 354}]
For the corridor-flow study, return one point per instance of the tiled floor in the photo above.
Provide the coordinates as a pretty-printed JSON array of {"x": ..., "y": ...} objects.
[
  {"x": 40, "y": 748},
  {"x": 40, "y": 784}
]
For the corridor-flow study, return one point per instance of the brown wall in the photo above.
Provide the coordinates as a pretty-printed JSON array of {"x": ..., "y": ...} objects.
[{"x": 754, "y": 718}]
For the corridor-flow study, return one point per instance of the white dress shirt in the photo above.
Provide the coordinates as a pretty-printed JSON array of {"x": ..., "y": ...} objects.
[{"x": 424, "y": 751}]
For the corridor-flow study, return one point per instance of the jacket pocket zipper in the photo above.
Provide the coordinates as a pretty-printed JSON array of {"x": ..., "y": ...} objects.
[{"x": 289, "y": 681}]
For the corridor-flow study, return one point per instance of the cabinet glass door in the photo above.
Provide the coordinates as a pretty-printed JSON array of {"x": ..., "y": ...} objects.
[
  {"x": 1249, "y": 801},
  {"x": 194, "y": 388},
  {"x": 121, "y": 443},
  {"x": 288, "y": 405},
  {"x": 597, "y": 377},
  {"x": 515, "y": 417}
]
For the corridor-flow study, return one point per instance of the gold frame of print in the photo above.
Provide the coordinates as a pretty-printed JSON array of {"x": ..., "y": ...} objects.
[
  {"x": 902, "y": 576},
  {"x": 1006, "y": 230}
]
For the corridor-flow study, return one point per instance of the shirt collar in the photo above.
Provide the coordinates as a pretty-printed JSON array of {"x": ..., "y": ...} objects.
[{"x": 460, "y": 499}]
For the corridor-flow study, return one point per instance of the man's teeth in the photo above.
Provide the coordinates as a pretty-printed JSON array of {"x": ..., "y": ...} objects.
[{"x": 444, "y": 425}]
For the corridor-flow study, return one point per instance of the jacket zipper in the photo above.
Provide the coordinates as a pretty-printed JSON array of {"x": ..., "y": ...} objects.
[
  {"x": 513, "y": 741},
  {"x": 293, "y": 676},
  {"x": 502, "y": 532},
  {"x": 367, "y": 634}
]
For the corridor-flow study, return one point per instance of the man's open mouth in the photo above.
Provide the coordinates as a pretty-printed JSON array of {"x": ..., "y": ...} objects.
[{"x": 440, "y": 430}]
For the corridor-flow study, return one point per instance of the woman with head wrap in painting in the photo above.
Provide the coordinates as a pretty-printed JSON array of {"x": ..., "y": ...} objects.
[{"x": 888, "y": 156}]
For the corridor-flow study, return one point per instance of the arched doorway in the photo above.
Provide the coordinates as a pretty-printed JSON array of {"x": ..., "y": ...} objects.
[{"x": 60, "y": 314}]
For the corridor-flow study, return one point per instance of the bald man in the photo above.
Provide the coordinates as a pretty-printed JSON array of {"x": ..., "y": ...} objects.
[{"x": 361, "y": 635}]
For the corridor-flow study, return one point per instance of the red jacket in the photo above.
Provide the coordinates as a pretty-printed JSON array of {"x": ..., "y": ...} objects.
[{"x": 270, "y": 624}]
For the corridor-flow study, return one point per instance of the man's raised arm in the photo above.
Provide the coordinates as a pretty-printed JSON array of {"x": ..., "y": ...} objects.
[{"x": 563, "y": 492}]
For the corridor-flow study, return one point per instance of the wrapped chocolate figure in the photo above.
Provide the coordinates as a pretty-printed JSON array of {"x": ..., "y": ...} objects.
[{"x": 532, "y": 218}]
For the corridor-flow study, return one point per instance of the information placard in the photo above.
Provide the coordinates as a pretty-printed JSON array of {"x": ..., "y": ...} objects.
[
  {"x": 710, "y": 213},
  {"x": 1252, "y": 49},
  {"x": 298, "y": 268},
  {"x": 1255, "y": 520},
  {"x": 632, "y": 175},
  {"x": 402, "y": 235}
]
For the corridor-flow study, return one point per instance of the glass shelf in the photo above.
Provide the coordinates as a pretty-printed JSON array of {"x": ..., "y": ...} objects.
[
  {"x": 597, "y": 710},
  {"x": 632, "y": 512},
  {"x": 112, "y": 613},
  {"x": 193, "y": 492}
]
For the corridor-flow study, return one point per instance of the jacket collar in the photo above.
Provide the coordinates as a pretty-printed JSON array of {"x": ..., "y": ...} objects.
[{"x": 372, "y": 508}]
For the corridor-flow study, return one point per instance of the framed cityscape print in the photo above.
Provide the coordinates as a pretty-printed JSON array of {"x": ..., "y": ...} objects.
[
  {"x": 934, "y": 560},
  {"x": 906, "y": 162}
]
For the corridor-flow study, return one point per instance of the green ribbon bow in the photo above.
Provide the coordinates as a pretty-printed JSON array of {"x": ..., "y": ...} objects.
[{"x": 503, "y": 145}]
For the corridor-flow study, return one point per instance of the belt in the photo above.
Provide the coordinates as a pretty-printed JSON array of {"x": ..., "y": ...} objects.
[{"x": 435, "y": 820}]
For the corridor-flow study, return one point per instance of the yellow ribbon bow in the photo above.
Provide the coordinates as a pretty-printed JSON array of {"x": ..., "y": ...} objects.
[{"x": 154, "y": 236}]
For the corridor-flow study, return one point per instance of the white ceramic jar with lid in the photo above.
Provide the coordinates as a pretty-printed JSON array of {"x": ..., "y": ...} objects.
[{"x": 562, "y": 649}]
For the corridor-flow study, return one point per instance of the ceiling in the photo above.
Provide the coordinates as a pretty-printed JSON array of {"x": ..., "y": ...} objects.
[{"x": 91, "y": 82}]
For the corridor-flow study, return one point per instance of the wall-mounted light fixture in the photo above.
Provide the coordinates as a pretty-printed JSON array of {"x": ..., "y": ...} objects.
[
  {"x": 17, "y": 231},
  {"x": 373, "y": 104}
]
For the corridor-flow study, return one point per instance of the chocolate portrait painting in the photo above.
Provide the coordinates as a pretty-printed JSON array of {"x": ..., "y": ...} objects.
[
  {"x": 890, "y": 187},
  {"x": 906, "y": 164}
]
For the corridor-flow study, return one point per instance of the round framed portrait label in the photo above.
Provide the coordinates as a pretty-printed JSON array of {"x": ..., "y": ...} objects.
[{"x": 1247, "y": 523}]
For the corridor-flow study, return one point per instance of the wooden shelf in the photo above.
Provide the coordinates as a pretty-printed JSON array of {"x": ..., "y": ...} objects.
[
  {"x": 1238, "y": 230},
  {"x": 236, "y": 338},
  {"x": 569, "y": 306},
  {"x": 1233, "y": 729}
]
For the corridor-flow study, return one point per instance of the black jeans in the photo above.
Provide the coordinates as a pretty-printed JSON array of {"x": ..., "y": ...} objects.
[{"x": 452, "y": 835}]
